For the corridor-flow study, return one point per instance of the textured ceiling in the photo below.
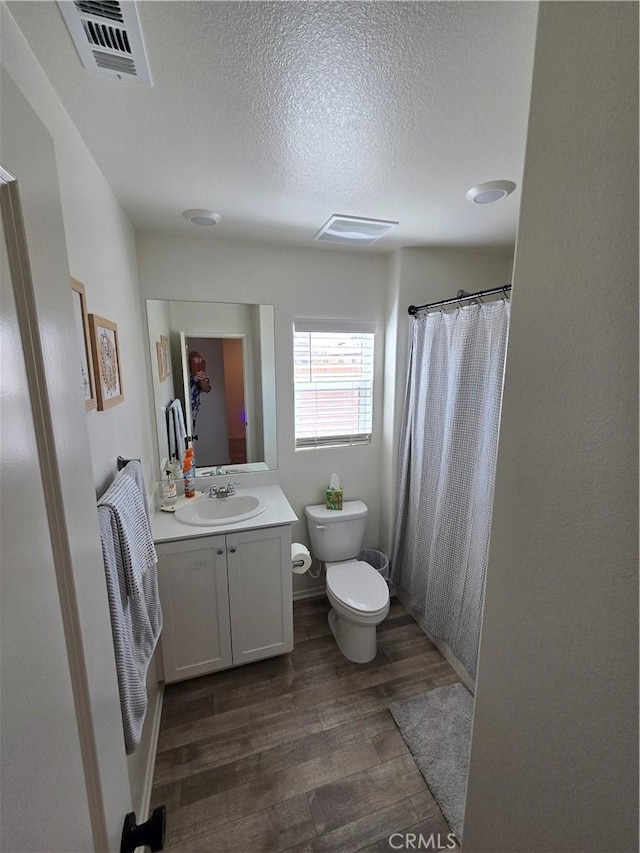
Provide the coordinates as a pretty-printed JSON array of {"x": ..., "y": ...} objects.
[{"x": 278, "y": 115}]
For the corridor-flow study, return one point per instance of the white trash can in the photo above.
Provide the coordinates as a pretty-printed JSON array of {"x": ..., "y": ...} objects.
[{"x": 378, "y": 560}]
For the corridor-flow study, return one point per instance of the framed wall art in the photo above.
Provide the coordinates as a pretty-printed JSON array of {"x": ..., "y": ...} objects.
[
  {"x": 83, "y": 344},
  {"x": 164, "y": 340},
  {"x": 106, "y": 362},
  {"x": 162, "y": 369}
]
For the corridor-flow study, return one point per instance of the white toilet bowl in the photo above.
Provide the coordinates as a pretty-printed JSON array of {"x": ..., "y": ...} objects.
[
  {"x": 358, "y": 594},
  {"x": 359, "y": 598}
]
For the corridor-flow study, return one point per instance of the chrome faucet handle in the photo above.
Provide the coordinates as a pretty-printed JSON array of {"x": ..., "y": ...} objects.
[
  {"x": 213, "y": 491},
  {"x": 231, "y": 488}
]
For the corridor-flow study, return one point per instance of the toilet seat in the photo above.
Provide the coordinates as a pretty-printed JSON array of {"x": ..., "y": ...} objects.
[{"x": 357, "y": 588}]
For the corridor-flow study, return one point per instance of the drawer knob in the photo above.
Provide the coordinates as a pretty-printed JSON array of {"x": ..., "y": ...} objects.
[
  {"x": 232, "y": 550},
  {"x": 220, "y": 551}
]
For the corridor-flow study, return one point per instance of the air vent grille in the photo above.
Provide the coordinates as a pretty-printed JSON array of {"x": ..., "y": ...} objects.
[
  {"x": 353, "y": 230},
  {"x": 120, "y": 64},
  {"x": 109, "y": 9},
  {"x": 108, "y": 38}
]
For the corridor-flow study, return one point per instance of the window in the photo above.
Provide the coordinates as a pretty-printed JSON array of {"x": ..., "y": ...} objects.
[{"x": 333, "y": 378}]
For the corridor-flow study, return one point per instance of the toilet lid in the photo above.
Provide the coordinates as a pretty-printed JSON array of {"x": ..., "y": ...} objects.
[{"x": 358, "y": 585}]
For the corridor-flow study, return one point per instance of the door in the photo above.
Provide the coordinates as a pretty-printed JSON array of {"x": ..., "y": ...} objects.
[
  {"x": 196, "y": 636},
  {"x": 59, "y": 687},
  {"x": 37, "y": 693},
  {"x": 260, "y": 593},
  {"x": 186, "y": 383}
]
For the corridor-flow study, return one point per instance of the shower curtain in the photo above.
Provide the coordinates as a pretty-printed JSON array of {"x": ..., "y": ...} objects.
[{"x": 446, "y": 468}]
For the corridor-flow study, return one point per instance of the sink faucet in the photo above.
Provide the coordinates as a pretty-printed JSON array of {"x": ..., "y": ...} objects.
[{"x": 223, "y": 491}]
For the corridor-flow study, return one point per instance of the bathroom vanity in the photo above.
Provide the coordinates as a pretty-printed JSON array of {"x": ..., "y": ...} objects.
[{"x": 225, "y": 589}]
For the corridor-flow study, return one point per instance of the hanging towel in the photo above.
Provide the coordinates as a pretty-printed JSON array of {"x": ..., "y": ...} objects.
[
  {"x": 134, "y": 470},
  {"x": 176, "y": 430},
  {"x": 135, "y": 623},
  {"x": 127, "y": 503}
]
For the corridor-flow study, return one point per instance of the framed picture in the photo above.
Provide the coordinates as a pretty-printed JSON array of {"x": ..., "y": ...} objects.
[
  {"x": 83, "y": 344},
  {"x": 106, "y": 362},
  {"x": 162, "y": 369},
  {"x": 164, "y": 340}
]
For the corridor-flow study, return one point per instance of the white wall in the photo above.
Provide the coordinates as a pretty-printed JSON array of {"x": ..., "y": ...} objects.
[
  {"x": 419, "y": 276},
  {"x": 554, "y": 761},
  {"x": 101, "y": 254},
  {"x": 101, "y": 250},
  {"x": 310, "y": 282}
]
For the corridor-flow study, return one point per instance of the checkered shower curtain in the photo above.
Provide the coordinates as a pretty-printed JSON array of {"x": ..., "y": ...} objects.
[{"x": 446, "y": 470}]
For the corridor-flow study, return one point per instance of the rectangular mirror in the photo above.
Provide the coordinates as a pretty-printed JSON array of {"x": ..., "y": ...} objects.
[{"x": 213, "y": 380}]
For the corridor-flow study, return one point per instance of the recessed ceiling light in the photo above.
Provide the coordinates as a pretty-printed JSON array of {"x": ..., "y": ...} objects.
[
  {"x": 353, "y": 230},
  {"x": 201, "y": 217},
  {"x": 490, "y": 191}
]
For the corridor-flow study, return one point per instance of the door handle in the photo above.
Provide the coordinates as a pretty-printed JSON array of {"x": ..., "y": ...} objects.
[{"x": 321, "y": 526}]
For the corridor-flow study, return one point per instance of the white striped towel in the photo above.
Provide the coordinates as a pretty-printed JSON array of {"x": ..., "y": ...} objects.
[
  {"x": 134, "y": 470},
  {"x": 128, "y": 505},
  {"x": 176, "y": 430},
  {"x": 135, "y": 623}
]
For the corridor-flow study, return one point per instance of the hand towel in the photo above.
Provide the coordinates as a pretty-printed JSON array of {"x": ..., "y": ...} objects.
[
  {"x": 135, "y": 623},
  {"x": 129, "y": 508},
  {"x": 176, "y": 430}
]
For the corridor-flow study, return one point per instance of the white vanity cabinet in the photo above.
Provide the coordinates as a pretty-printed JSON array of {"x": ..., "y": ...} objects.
[{"x": 226, "y": 600}]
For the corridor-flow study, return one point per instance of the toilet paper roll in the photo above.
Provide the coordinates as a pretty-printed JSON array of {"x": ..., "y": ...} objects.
[{"x": 300, "y": 552}]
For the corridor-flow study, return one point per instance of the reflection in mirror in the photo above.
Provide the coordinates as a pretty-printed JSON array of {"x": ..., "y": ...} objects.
[{"x": 215, "y": 384}]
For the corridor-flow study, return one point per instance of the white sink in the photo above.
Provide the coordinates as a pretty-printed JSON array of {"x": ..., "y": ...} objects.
[{"x": 206, "y": 512}]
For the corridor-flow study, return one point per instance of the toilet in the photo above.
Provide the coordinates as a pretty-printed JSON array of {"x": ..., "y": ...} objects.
[{"x": 358, "y": 594}]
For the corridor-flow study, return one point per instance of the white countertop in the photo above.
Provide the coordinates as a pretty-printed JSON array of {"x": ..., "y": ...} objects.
[{"x": 166, "y": 528}]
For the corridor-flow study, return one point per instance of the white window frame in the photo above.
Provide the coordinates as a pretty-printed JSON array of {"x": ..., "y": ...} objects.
[{"x": 336, "y": 439}]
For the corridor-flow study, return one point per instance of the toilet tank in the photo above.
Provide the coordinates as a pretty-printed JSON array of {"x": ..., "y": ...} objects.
[{"x": 336, "y": 534}]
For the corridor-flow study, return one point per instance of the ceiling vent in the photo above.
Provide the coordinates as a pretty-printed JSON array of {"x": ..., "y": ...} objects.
[
  {"x": 108, "y": 38},
  {"x": 353, "y": 230}
]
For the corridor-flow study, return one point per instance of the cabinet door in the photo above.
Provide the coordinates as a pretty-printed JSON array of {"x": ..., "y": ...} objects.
[
  {"x": 260, "y": 593},
  {"x": 196, "y": 637}
]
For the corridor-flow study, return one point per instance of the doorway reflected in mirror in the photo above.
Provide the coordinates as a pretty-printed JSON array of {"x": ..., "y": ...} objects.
[{"x": 223, "y": 372}]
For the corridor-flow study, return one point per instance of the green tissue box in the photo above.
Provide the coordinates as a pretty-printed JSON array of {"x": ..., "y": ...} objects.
[{"x": 334, "y": 498}]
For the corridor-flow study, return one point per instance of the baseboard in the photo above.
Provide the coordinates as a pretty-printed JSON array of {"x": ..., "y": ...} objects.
[
  {"x": 442, "y": 647},
  {"x": 316, "y": 592},
  {"x": 154, "y": 719}
]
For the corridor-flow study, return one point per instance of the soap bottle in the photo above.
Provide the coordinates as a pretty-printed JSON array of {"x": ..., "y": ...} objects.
[
  {"x": 169, "y": 490},
  {"x": 189, "y": 473}
]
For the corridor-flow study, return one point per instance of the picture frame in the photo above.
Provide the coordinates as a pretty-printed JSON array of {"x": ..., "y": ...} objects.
[
  {"x": 83, "y": 344},
  {"x": 162, "y": 369},
  {"x": 106, "y": 362},
  {"x": 164, "y": 340}
]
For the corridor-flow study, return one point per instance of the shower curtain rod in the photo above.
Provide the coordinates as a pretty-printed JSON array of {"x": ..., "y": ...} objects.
[{"x": 413, "y": 309}]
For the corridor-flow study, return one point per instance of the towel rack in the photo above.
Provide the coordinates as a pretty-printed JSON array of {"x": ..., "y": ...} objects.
[{"x": 121, "y": 462}]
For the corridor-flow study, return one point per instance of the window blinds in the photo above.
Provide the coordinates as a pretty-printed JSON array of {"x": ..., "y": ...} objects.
[{"x": 333, "y": 377}]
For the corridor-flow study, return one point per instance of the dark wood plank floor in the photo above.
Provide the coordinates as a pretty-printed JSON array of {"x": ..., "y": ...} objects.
[{"x": 299, "y": 752}]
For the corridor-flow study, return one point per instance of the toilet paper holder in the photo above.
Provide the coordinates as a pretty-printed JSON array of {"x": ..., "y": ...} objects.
[{"x": 297, "y": 564}]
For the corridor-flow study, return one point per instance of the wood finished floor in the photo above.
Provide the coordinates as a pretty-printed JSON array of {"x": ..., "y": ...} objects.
[{"x": 299, "y": 753}]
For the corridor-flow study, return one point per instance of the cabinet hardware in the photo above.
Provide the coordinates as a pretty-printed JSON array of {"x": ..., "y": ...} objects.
[
  {"x": 220, "y": 551},
  {"x": 232, "y": 550}
]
